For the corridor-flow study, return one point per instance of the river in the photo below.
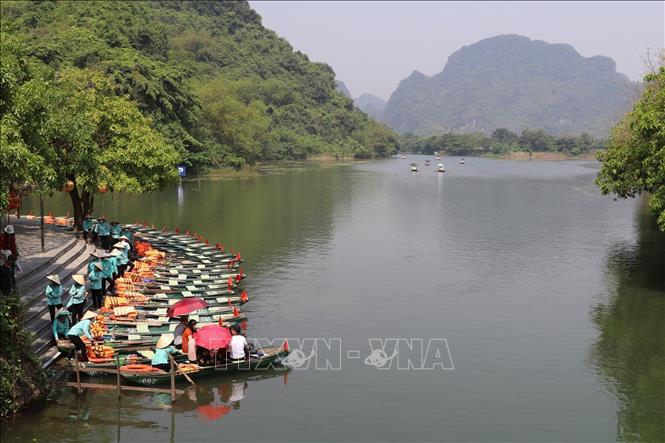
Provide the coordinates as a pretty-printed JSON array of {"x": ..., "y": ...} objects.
[{"x": 550, "y": 298}]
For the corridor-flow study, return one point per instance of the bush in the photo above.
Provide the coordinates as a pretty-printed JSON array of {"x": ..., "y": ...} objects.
[{"x": 22, "y": 379}]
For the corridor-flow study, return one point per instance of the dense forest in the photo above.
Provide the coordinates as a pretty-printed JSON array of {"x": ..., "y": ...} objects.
[
  {"x": 501, "y": 141},
  {"x": 207, "y": 76}
]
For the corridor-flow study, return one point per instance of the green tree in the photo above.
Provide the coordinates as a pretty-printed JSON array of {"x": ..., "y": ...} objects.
[{"x": 634, "y": 161}]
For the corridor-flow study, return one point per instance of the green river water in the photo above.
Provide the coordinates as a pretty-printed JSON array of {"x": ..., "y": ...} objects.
[{"x": 550, "y": 298}]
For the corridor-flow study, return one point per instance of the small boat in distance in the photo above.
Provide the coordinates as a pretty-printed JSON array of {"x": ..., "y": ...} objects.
[
  {"x": 461, "y": 162},
  {"x": 438, "y": 157},
  {"x": 427, "y": 162},
  {"x": 440, "y": 168},
  {"x": 403, "y": 156},
  {"x": 414, "y": 167}
]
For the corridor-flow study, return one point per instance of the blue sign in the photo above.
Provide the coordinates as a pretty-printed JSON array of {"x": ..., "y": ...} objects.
[{"x": 182, "y": 171}]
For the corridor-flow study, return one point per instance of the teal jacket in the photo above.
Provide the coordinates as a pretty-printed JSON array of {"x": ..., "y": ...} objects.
[
  {"x": 60, "y": 328},
  {"x": 77, "y": 294},
  {"x": 162, "y": 355},
  {"x": 123, "y": 258},
  {"x": 129, "y": 235},
  {"x": 91, "y": 264},
  {"x": 115, "y": 231},
  {"x": 87, "y": 224},
  {"x": 110, "y": 267},
  {"x": 95, "y": 278},
  {"x": 81, "y": 328},
  {"x": 103, "y": 228},
  {"x": 53, "y": 295}
]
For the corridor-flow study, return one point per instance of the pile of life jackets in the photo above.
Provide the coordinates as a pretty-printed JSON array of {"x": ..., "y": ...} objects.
[{"x": 100, "y": 351}]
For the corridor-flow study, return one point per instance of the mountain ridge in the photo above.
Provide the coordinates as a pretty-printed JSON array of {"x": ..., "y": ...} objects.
[{"x": 514, "y": 82}]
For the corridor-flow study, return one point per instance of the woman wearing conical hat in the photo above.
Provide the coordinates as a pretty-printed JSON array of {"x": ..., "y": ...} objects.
[
  {"x": 163, "y": 350},
  {"x": 79, "y": 329},
  {"x": 76, "y": 298},
  {"x": 53, "y": 294}
]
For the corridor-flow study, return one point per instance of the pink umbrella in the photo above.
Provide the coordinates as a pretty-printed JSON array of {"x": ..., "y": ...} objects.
[
  {"x": 186, "y": 306},
  {"x": 212, "y": 337}
]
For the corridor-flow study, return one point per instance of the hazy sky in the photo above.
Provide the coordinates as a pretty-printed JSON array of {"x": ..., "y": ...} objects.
[{"x": 373, "y": 45}]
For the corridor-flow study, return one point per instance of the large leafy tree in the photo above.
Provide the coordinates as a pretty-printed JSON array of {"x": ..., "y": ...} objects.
[
  {"x": 634, "y": 161},
  {"x": 71, "y": 126},
  {"x": 101, "y": 141}
]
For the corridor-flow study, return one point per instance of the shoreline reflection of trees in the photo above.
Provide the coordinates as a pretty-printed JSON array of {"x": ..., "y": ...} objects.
[{"x": 629, "y": 354}]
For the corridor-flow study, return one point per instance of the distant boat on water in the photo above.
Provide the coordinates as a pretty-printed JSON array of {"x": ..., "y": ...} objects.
[
  {"x": 440, "y": 168},
  {"x": 414, "y": 167}
]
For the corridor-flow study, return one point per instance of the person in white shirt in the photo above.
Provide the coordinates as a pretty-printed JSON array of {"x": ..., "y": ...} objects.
[{"x": 238, "y": 344}]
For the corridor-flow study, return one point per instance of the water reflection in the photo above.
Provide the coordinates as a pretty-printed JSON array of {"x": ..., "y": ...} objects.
[{"x": 629, "y": 355}]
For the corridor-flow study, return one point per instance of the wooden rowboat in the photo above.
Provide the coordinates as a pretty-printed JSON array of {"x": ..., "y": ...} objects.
[{"x": 271, "y": 356}]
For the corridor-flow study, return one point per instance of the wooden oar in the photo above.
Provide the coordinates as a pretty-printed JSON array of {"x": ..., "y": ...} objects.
[{"x": 181, "y": 371}]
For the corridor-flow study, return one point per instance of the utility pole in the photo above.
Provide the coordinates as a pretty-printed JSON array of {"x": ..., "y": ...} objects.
[{"x": 41, "y": 220}]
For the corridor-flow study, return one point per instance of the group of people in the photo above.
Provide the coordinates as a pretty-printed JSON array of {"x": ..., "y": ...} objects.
[
  {"x": 103, "y": 269},
  {"x": 183, "y": 339},
  {"x": 104, "y": 234}
]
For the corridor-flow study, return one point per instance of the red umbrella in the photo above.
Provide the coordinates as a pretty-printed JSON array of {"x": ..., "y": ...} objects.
[
  {"x": 186, "y": 306},
  {"x": 212, "y": 337}
]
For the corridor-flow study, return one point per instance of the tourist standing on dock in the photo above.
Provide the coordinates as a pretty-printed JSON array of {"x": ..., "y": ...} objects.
[
  {"x": 53, "y": 294},
  {"x": 103, "y": 231},
  {"x": 96, "y": 286},
  {"x": 79, "y": 329},
  {"x": 8, "y": 247},
  {"x": 6, "y": 284},
  {"x": 163, "y": 350},
  {"x": 76, "y": 298},
  {"x": 87, "y": 228}
]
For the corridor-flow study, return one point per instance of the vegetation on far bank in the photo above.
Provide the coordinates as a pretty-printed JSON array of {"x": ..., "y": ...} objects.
[{"x": 501, "y": 143}]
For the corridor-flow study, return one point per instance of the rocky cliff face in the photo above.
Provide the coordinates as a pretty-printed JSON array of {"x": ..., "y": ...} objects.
[{"x": 513, "y": 82}]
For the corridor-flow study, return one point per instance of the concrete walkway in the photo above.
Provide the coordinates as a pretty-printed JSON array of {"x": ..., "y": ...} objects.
[{"x": 28, "y": 242}]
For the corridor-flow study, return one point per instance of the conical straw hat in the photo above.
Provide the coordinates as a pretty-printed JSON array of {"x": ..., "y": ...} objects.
[
  {"x": 88, "y": 315},
  {"x": 54, "y": 278},
  {"x": 78, "y": 278},
  {"x": 164, "y": 340}
]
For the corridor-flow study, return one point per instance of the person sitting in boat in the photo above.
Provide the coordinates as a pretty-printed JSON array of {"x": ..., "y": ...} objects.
[
  {"x": 53, "y": 294},
  {"x": 188, "y": 335},
  {"x": 162, "y": 352},
  {"x": 205, "y": 357},
  {"x": 238, "y": 347},
  {"x": 177, "y": 333},
  {"x": 61, "y": 324},
  {"x": 81, "y": 328}
]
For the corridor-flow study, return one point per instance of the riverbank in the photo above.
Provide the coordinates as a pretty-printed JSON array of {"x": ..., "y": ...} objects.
[{"x": 541, "y": 156}]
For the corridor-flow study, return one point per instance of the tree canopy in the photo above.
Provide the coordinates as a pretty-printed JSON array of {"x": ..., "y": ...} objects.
[
  {"x": 217, "y": 85},
  {"x": 634, "y": 162}
]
